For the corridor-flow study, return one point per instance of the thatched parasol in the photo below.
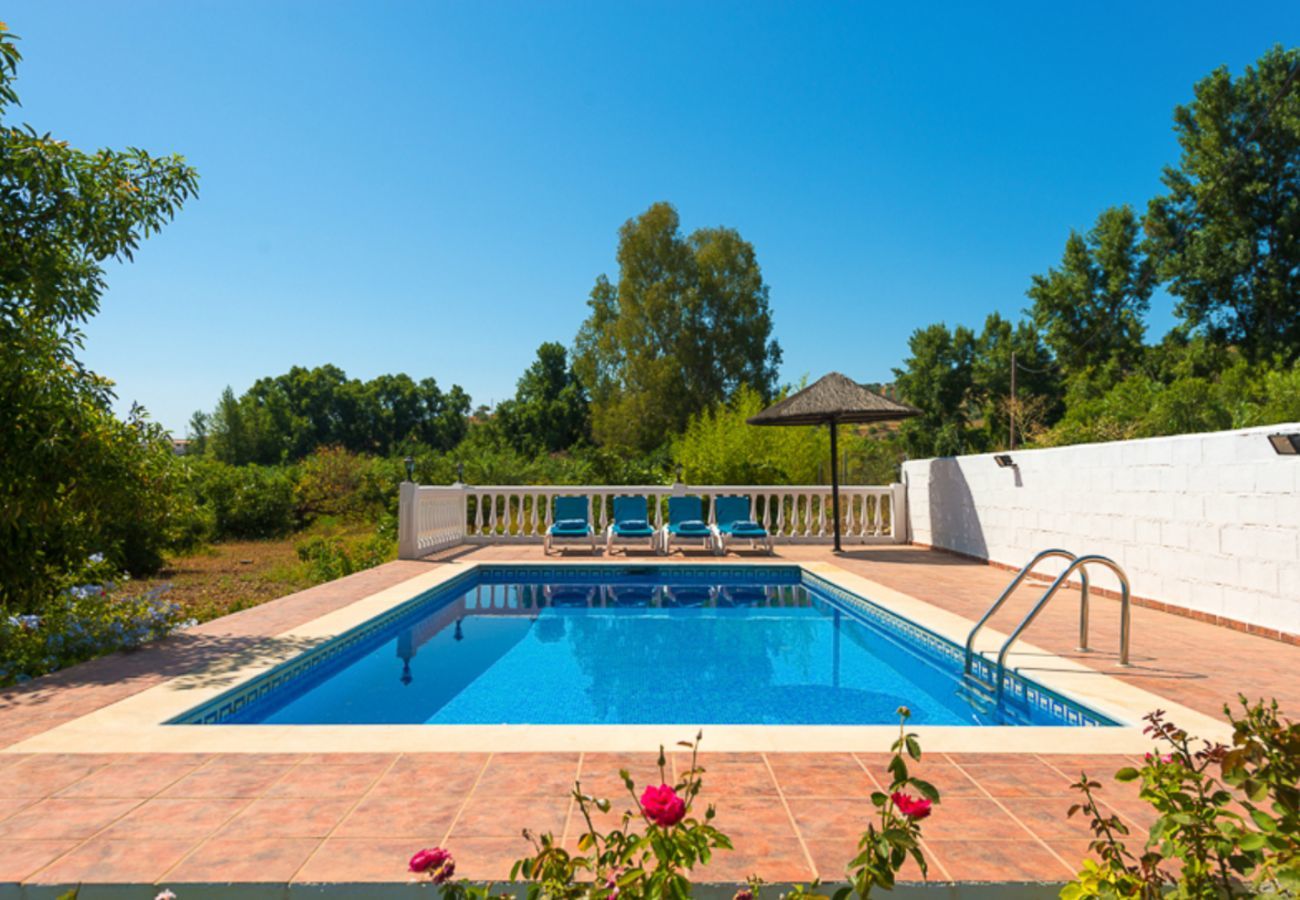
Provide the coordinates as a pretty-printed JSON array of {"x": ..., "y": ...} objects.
[{"x": 829, "y": 401}]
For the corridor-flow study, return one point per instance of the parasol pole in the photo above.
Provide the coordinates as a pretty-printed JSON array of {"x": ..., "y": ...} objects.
[{"x": 835, "y": 479}]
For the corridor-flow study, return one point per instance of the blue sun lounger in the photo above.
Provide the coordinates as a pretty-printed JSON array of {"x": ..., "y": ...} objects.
[
  {"x": 734, "y": 521},
  {"x": 685, "y": 523},
  {"x": 631, "y": 524},
  {"x": 572, "y": 523}
]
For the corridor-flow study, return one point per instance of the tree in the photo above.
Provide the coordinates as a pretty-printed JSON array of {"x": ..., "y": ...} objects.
[
  {"x": 1226, "y": 236},
  {"x": 687, "y": 324},
  {"x": 1037, "y": 400},
  {"x": 290, "y": 416},
  {"x": 74, "y": 479},
  {"x": 549, "y": 411},
  {"x": 1091, "y": 309},
  {"x": 938, "y": 379}
]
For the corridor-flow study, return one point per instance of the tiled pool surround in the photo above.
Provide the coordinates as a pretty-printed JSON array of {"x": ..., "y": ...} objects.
[
  {"x": 279, "y": 821},
  {"x": 138, "y": 722}
]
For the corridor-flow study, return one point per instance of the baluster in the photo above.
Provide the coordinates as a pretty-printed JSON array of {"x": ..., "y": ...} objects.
[
  {"x": 536, "y": 499},
  {"x": 821, "y": 531},
  {"x": 880, "y": 513},
  {"x": 780, "y": 514},
  {"x": 478, "y": 513},
  {"x": 492, "y": 507}
]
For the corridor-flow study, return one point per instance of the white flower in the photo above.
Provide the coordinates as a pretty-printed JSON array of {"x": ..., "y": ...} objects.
[
  {"x": 165, "y": 894},
  {"x": 99, "y": 558}
]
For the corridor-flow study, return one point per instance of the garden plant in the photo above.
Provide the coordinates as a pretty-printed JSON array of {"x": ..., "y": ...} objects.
[
  {"x": 1228, "y": 815},
  {"x": 653, "y": 850}
]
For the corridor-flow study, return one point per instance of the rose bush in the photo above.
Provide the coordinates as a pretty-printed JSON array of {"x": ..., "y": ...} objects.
[
  {"x": 1236, "y": 834},
  {"x": 653, "y": 850}
]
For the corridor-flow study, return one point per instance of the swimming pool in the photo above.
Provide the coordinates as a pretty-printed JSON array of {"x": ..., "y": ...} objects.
[{"x": 636, "y": 644}]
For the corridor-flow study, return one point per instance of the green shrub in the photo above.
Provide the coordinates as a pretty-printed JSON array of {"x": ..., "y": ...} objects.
[
  {"x": 330, "y": 555},
  {"x": 332, "y": 482},
  {"x": 247, "y": 501},
  {"x": 81, "y": 621},
  {"x": 1234, "y": 834}
]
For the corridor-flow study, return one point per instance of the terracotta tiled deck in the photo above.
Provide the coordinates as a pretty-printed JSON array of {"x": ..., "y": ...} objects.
[{"x": 304, "y": 818}]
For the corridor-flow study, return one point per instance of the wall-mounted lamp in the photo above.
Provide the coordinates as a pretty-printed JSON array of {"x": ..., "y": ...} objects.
[
  {"x": 460, "y": 473},
  {"x": 1004, "y": 461},
  {"x": 410, "y": 468},
  {"x": 679, "y": 474},
  {"x": 1285, "y": 444}
]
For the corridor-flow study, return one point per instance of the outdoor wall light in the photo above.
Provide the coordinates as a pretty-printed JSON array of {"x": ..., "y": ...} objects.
[
  {"x": 1285, "y": 444},
  {"x": 1004, "y": 461},
  {"x": 410, "y": 468},
  {"x": 460, "y": 473}
]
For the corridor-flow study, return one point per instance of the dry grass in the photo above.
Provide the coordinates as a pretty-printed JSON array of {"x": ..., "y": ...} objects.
[{"x": 225, "y": 578}]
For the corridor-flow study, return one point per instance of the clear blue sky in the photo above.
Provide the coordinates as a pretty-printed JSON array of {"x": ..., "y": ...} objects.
[{"x": 433, "y": 187}]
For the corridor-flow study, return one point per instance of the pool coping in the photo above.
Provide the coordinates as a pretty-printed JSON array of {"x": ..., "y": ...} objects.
[{"x": 136, "y": 724}]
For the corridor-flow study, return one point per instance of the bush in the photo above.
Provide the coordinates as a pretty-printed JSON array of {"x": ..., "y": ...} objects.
[
  {"x": 329, "y": 555},
  {"x": 333, "y": 482},
  {"x": 652, "y": 852},
  {"x": 247, "y": 501},
  {"x": 81, "y": 622},
  {"x": 719, "y": 447},
  {"x": 1235, "y": 835}
]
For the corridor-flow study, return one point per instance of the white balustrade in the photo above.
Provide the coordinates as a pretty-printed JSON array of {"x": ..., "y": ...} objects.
[
  {"x": 429, "y": 519},
  {"x": 433, "y": 518}
]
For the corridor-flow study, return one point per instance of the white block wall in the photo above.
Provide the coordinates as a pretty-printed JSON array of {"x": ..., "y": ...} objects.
[{"x": 1208, "y": 522}]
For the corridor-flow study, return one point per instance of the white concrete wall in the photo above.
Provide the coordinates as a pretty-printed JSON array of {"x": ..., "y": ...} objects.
[{"x": 1208, "y": 522}]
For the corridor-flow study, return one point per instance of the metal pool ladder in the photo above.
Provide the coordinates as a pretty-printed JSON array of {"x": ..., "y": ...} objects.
[{"x": 1076, "y": 562}]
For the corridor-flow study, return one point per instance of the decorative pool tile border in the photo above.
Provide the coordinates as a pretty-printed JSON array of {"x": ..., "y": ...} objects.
[
  {"x": 228, "y": 704},
  {"x": 1017, "y": 690}
]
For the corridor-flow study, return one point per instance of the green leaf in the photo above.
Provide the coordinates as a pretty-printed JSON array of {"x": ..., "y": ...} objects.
[
  {"x": 925, "y": 789},
  {"x": 898, "y": 769},
  {"x": 1128, "y": 773},
  {"x": 913, "y": 747},
  {"x": 1263, "y": 820}
]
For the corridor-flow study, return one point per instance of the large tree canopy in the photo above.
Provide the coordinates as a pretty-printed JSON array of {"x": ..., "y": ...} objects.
[
  {"x": 288, "y": 416},
  {"x": 74, "y": 480},
  {"x": 1091, "y": 309},
  {"x": 1226, "y": 236},
  {"x": 938, "y": 379},
  {"x": 549, "y": 411},
  {"x": 685, "y": 326}
]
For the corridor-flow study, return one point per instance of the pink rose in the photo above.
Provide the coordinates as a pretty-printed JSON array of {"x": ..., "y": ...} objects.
[
  {"x": 430, "y": 858},
  {"x": 743, "y": 894},
  {"x": 915, "y": 808},
  {"x": 662, "y": 806}
]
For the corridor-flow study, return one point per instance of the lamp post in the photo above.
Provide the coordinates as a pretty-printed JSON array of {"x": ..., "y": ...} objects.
[{"x": 410, "y": 468}]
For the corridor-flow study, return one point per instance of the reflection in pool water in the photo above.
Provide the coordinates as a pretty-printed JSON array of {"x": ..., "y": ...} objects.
[{"x": 631, "y": 652}]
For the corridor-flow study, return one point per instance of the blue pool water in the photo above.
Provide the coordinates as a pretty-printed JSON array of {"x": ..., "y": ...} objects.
[{"x": 640, "y": 644}]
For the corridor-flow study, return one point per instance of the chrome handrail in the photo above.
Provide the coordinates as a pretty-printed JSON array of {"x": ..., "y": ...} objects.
[
  {"x": 1079, "y": 563},
  {"x": 1015, "y": 583}
]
